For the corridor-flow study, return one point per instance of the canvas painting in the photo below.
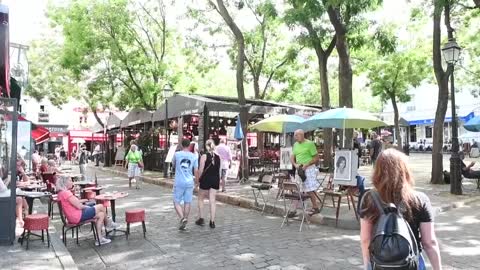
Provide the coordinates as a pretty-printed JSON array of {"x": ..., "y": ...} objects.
[
  {"x": 285, "y": 163},
  {"x": 345, "y": 170}
]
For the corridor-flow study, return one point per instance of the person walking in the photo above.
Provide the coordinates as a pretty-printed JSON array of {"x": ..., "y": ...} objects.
[
  {"x": 393, "y": 183},
  {"x": 185, "y": 164},
  {"x": 82, "y": 161},
  {"x": 305, "y": 158},
  {"x": 134, "y": 163},
  {"x": 210, "y": 171},
  {"x": 225, "y": 160},
  {"x": 96, "y": 155},
  {"x": 376, "y": 147}
]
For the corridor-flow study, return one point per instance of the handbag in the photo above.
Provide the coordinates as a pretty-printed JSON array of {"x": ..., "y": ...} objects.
[
  {"x": 140, "y": 164},
  {"x": 301, "y": 173}
]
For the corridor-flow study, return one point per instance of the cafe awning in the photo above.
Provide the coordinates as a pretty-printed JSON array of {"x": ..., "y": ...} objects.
[
  {"x": 40, "y": 134},
  {"x": 113, "y": 122},
  {"x": 135, "y": 117},
  {"x": 184, "y": 104}
]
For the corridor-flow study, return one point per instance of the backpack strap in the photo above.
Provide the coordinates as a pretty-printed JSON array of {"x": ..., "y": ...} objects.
[{"x": 377, "y": 201}]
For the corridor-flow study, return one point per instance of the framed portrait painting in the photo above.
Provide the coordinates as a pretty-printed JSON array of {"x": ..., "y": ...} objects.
[{"x": 345, "y": 171}]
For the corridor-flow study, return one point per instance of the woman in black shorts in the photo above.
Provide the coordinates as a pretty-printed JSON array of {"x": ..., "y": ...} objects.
[{"x": 209, "y": 182}]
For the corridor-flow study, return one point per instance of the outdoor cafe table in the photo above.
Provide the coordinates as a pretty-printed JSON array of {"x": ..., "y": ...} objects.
[
  {"x": 96, "y": 189},
  {"x": 30, "y": 196},
  {"x": 112, "y": 197},
  {"x": 83, "y": 185}
]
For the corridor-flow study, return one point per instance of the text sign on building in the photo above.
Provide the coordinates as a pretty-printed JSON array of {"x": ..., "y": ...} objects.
[{"x": 43, "y": 117}]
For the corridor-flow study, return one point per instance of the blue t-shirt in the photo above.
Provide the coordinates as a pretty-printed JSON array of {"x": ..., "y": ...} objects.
[{"x": 185, "y": 162}]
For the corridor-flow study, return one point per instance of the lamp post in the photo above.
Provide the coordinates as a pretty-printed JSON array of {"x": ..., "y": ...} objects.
[
  {"x": 167, "y": 93},
  {"x": 451, "y": 54}
]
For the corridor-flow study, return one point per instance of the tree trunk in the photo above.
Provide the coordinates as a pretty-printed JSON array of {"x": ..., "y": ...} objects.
[
  {"x": 325, "y": 92},
  {"x": 256, "y": 87},
  {"x": 345, "y": 82},
  {"x": 345, "y": 74},
  {"x": 222, "y": 10},
  {"x": 442, "y": 103},
  {"x": 396, "y": 120},
  {"x": 99, "y": 121}
]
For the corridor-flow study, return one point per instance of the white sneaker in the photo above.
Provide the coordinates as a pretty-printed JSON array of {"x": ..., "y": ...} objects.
[
  {"x": 112, "y": 226},
  {"x": 134, "y": 181},
  {"x": 103, "y": 241}
]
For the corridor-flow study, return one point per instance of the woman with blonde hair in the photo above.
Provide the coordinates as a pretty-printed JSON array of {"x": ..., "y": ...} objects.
[
  {"x": 76, "y": 212},
  {"x": 209, "y": 182},
  {"x": 393, "y": 184}
]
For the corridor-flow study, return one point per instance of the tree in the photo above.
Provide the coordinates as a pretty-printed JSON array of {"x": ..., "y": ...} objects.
[
  {"x": 440, "y": 7},
  {"x": 393, "y": 75},
  {"x": 310, "y": 15},
  {"x": 128, "y": 46},
  {"x": 240, "y": 44},
  {"x": 346, "y": 18}
]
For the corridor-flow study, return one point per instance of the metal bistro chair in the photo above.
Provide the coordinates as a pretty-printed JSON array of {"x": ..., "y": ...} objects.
[
  {"x": 257, "y": 189},
  {"x": 291, "y": 191},
  {"x": 74, "y": 227}
]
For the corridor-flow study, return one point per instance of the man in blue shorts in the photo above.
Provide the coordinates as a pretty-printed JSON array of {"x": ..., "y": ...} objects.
[{"x": 186, "y": 165}]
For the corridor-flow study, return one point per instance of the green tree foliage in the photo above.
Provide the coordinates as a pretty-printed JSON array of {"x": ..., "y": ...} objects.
[
  {"x": 393, "y": 75},
  {"x": 47, "y": 79}
]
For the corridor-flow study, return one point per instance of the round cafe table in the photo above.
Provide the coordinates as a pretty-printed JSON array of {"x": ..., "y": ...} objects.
[
  {"x": 112, "y": 197},
  {"x": 31, "y": 196}
]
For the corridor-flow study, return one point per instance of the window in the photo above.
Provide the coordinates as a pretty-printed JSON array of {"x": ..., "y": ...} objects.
[
  {"x": 42, "y": 108},
  {"x": 428, "y": 132},
  {"x": 410, "y": 108},
  {"x": 413, "y": 133}
]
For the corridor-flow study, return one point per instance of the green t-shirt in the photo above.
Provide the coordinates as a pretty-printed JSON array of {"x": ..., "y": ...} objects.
[
  {"x": 133, "y": 157},
  {"x": 304, "y": 152}
]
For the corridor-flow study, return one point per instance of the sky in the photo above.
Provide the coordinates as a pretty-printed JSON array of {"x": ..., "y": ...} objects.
[{"x": 28, "y": 20}]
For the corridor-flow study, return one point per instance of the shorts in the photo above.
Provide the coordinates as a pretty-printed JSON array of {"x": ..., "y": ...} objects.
[
  {"x": 223, "y": 173},
  {"x": 311, "y": 183},
  {"x": 133, "y": 170},
  {"x": 87, "y": 213},
  {"x": 182, "y": 194}
]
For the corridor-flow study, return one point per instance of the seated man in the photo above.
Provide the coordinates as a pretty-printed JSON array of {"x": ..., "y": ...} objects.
[{"x": 467, "y": 171}]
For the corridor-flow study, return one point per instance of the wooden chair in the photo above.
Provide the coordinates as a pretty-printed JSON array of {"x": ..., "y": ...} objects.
[{"x": 291, "y": 191}]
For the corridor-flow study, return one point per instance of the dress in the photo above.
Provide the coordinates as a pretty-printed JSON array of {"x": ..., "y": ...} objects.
[{"x": 211, "y": 175}]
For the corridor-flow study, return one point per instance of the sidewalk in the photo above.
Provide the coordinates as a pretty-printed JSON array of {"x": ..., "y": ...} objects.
[
  {"x": 241, "y": 195},
  {"x": 38, "y": 255}
]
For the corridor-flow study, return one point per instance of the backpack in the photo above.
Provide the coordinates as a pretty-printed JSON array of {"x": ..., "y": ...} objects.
[{"x": 393, "y": 245}]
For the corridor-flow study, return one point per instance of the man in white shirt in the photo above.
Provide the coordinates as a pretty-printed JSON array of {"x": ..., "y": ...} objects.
[
  {"x": 225, "y": 158},
  {"x": 96, "y": 154}
]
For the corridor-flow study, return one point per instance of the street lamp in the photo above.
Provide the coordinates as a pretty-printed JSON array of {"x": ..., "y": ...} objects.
[
  {"x": 167, "y": 93},
  {"x": 451, "y": 54}
]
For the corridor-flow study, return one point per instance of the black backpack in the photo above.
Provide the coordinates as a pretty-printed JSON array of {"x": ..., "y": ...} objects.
[{"x": 393, "y": 245}]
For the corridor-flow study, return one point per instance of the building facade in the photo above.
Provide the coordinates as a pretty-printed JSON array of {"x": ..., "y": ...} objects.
[{"x": 420, "y": 114}]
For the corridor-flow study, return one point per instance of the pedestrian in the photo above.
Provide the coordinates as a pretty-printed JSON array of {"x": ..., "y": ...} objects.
[
  {"x": 36, "y": 159},
  {"x": 63, "y": 155},
  {"x": 393, "y": 184},
  {"x": 134, "y": 163},
  {"x": 82, "y": 162},
  {"x": 210, "y": 171},
  {"x": 225, "y": 159},
  {"x": 96, "y": 155},
  {"x": 57, "y": 154},
  {"x": 376, "y": 147},
  {"x": 185, "y": 164},
  {"x": 304, "y": 159},
  {"x": 358, "y": 147}
]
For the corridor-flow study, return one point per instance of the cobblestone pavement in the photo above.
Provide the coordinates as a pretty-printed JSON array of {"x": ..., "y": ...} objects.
[
  {"x": 419, "y": 163},
  {"x": 244, "y": 239}
]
